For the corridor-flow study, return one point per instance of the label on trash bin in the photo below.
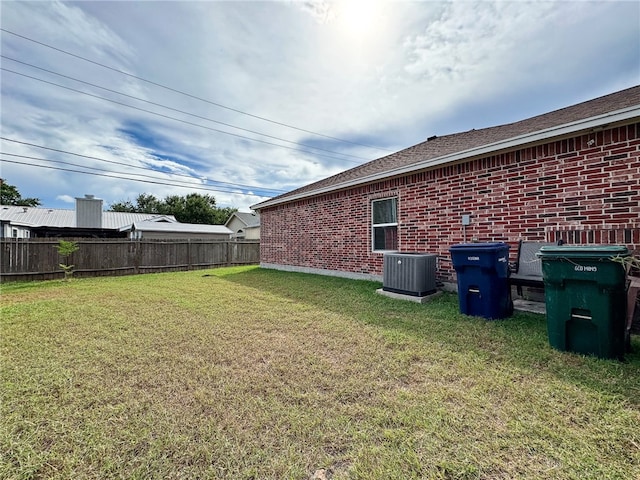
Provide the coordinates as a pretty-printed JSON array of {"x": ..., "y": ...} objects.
[
  {"x": 585, "y": 268},
  {"x": 473, "y": 259}
]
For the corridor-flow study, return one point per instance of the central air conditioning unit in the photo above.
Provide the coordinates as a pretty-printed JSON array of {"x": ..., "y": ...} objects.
[{"x": 409, "y": 273}]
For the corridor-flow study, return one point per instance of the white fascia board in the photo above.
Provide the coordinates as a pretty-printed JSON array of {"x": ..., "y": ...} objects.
[
  {"x": 20, "y": 224},
  {"x": 596, "y": 122},
  {"x": 182, "y": 228}
]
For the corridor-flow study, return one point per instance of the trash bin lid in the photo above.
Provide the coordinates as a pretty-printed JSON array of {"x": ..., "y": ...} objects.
[
  {"x": 479, "y": 246},
  {"x": 583, "y": 251}
]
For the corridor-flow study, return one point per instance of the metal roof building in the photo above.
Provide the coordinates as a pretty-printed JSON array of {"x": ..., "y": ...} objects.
[
  {"x": 26, "y": 222},
  {"x": 158, "y": 230}
]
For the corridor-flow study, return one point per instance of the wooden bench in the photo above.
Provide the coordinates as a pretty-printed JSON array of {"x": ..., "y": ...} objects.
[
  {"x": 527, "y": 269},
  {"x": 632, "y": 295}
]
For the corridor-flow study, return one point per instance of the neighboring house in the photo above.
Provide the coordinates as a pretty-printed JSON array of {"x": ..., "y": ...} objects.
[
  {"x": 87, "y": 220},
  {"x": 245, "y": 226},
  {"x": 176, "y": 231},
  {"x": 571, "y": 174}
]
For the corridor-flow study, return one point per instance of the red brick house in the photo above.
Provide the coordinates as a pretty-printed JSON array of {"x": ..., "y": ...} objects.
[{"x": 571, "y": 174}]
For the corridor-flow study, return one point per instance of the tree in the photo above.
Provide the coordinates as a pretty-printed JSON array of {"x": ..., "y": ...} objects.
[
  {"x": 65, "y": 249},
  {"x": 9, "y": 195},
  {"x": 145, "y": 203},
  {"x": 124, "y": 207},
  {"x": 192, "y": 208}
]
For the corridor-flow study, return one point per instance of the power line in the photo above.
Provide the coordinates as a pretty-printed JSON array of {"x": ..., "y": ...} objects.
[
  {"x": 111, "y": 176},
  {"x": 235, "y": 185},
  {"x": 190, "y": 95},
  {"x": 179, "y": 111},
  {"x": 174, "y": 118},
  {"x": 181, "y": 183}
]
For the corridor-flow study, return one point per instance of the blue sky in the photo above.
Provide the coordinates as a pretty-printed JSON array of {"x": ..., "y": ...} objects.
[{"x": 347, "y": 76}]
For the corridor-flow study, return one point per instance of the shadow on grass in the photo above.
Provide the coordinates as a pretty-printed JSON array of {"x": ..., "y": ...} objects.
[
  {"x": 10, "y": 287},
  {"x": 520, "y": 341}
]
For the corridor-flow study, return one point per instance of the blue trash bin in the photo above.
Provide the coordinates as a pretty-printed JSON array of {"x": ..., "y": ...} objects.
[{"x": 482, "y": 270}]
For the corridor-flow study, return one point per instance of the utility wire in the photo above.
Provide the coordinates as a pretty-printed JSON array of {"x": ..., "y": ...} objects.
[
  {"x": 234, "y": 185},
  {"x": 181, "y": 183},
  {"x": 190, "y": 95},
  {"x": 174, "y": 118},
  {"x": 111, "y": 176},
  {"x": 179, "y": 111}
]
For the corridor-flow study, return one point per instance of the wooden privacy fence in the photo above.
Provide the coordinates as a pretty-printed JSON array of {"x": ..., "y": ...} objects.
[{"x": 38, "y": 259}]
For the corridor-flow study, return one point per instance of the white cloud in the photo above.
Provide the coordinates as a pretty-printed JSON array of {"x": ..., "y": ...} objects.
[
  {"x": 66, "y": 199},
  {"x": 385, "y": 73}
]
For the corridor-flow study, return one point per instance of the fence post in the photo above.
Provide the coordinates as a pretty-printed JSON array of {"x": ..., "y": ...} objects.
[
  {"x": 138, "y": 255},
  {"x": 188, "y": 254}
]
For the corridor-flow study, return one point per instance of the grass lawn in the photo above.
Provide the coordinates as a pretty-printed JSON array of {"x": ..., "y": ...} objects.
[{"x": 244, "y": 373}]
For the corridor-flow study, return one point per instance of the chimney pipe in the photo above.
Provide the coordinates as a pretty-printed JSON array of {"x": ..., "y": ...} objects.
[{"x": 88, "y": 212}]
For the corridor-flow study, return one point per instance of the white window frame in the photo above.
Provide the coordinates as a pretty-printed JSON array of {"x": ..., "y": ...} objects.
[{"x": 382, "y": 225}]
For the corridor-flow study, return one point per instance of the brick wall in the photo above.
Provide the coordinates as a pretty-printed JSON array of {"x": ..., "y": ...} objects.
[{"x": 584, "y": 189}]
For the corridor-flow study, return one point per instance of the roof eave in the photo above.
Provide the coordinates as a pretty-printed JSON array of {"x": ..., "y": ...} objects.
[{"x": 590, "y": 123}]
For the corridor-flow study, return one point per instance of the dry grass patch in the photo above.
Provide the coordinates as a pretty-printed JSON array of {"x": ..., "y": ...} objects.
[{"x": 249, "y": 373}]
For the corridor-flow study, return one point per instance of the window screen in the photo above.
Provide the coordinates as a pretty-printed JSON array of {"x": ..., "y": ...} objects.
[{"x": 385, "y": 224}]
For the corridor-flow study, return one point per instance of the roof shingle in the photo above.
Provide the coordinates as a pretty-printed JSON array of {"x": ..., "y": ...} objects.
[
  {"x": 250, "y": 219},
  {"x": 460, "y": 142}
]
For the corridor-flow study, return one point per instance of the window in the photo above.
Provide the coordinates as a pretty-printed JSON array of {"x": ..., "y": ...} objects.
[{"x": 385, "y": 224}]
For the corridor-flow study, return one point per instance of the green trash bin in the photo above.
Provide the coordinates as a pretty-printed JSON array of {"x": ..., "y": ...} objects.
[{"x": 586, "y": 299}]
